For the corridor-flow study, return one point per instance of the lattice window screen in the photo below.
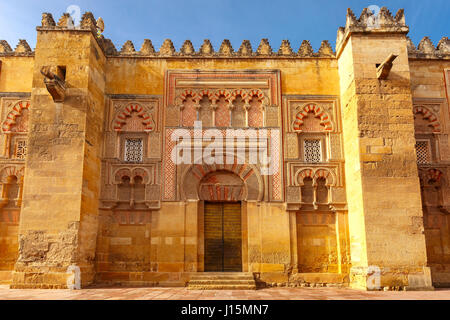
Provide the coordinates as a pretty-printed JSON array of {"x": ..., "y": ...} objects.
[
  {"x": 312, "y": 150},
  {"x": 423, "y": 152},
  {"x": 21, "y": 149},
  {"x": 134, "y": 150}
]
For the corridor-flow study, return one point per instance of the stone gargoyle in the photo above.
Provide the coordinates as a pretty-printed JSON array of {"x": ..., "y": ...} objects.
[{"x": 55, "y": 84}]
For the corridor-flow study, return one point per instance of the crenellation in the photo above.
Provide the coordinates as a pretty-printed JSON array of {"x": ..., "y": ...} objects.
[
  {"x": 47, "y": 20},
  {"x": 23, "y": 47},
  {"x": 206, "y": 49},
  {"x": 65, "y": 21},
  {"x": 147, "y": 48},
  {"x": 226, "y": 48},
  {"x": 167, "y": 48},
  {"x": 5, "y": 48},
  {"x": 108, "y": 47},
  {"x": 410, "y": 45},
  {"x": 187, "y": 48},
  {"x": 305, "y": 49},
  {"x": 444, "y": 45},
  {"x": 264, "y": 48},
  {"x": 128, "y": 48},
  {"x": 426, "y": 46},
  {"x": 400, "y": 16},
  {"x": 285, "y": 49},
  {"x": 88, "y": 22},
  {"x": 245, "y": 49},
  {"x": 325, "y": 49},
  {"x": 427, "y": 50}
]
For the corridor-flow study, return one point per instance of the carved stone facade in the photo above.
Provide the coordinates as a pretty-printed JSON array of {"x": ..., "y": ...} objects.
[
  {"x": 332, "y": 164},
  {"x": 13, "y": 141}
]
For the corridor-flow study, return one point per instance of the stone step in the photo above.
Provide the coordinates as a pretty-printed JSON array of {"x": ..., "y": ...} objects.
[
  {"x": 217, "y": 273},
  {"x": 222, "y": 278},
  {"x": 209, "y": 281},
  {"x": 222, "y": 287},
  {"x": 222, "y": 281}
]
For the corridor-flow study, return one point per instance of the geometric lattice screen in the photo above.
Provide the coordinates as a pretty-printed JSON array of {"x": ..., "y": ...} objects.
[
  {"x": 21, "y": 149},
  {"x": 423, "y": 152},
  {"x": 134, "y": 150},
  {"x": 313, "y": 150}
]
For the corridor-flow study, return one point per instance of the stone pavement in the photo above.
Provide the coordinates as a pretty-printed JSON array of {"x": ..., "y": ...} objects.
[{"x": 121, "y": 293}]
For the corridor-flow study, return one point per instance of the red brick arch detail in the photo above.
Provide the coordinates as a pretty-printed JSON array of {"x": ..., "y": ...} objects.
[
  {"x": 325, "y": 174},
  {"x": 325, "y": 119},
  {"x": 243, "y": 171},
  {"x": 141, "y": 172},
  {"x": 224, "y": 93},
  {"x": 9, "y": 171},
  {"x": 121, "y": 117},
  {"x": 120, "y": 173},
  {"x": 207, "y": 93},
  {"x": 239, "y": 92},
  {"x": 13, "y": 114},
  {"x": 256, "y": 93},
  {"x": 427, "y": 114},
  {"x": 306, "y": 173},
  {"x": 187, "y": 93}
]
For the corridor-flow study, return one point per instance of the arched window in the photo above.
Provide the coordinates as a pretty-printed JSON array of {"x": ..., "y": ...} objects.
[
  {"x": 139, "y": 189},
  {"x": 307, "y": 190},
  {"x": 238, "y": 114},
  {"x": 124, "y": 189},
  {"x": 322, "y": 191}
]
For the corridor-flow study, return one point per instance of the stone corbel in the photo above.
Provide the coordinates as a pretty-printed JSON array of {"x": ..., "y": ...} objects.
[
  {"x": 385, "y": 68},
  {"x": 55, "y": 84}
]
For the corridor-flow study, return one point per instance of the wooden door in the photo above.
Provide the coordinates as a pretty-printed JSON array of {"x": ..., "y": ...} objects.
[{"x": 223, "y": 237}]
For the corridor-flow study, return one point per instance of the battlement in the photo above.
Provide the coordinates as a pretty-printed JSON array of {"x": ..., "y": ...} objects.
[
  {"x": 367, "y": 22},
  {"x": 427, "y": 50},
  {"x": 167, "y": 50},
  {"x": 22, "y": 49},
  {"x": 264, "y": 50}
]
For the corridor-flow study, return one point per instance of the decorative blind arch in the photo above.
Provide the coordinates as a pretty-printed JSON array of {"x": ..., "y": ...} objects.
[
  {"x": 430, "y": 116},
  {"x": 13, "y": 114},
  {"x": 318, "y": 112},
  {"x": 123, "y": 115}
]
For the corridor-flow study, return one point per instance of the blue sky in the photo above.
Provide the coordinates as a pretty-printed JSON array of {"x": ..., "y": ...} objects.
[{"x": 295, "y": 20}]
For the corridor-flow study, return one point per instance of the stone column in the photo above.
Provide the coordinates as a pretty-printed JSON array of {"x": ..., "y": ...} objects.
[
  {"x": 59, "y": 218},
  {"x": 385, "y": 210}
]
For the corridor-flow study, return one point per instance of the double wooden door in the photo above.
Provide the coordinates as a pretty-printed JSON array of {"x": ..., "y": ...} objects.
[{"x": 223, "y": 236}]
